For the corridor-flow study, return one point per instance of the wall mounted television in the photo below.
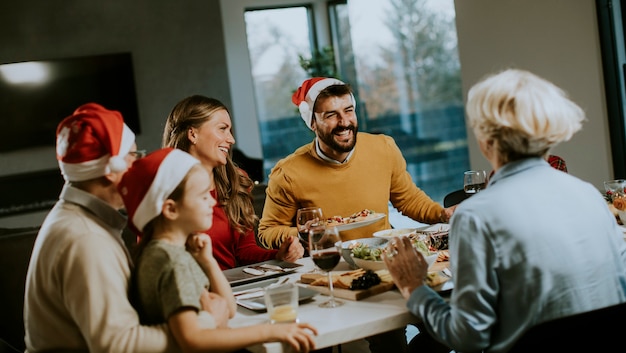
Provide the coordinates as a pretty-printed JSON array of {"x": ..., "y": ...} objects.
[{"x": 36, "y": 95}]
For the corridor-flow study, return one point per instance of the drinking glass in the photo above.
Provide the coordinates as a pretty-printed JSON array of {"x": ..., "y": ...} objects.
[
  {"x": 474, "y": 181},
  {"x": 282, "y": 303},
  {"x": 324, "y": 245},
  {"x": 305, "y": 217}
]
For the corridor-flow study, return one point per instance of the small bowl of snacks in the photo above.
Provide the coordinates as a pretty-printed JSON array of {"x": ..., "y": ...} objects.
[
  {"x": 347, "y": 246},
  {"x": 368, "y": 256},
  {"x": 373, "y": 265}
]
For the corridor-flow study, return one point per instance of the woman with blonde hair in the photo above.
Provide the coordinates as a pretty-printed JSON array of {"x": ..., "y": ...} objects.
[
  {"x": 202, "y": 127},
  {"x": 508, "y": 242}
]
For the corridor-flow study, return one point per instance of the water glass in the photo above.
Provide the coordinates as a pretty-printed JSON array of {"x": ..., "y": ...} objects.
[{"x": 282, "y": 303}]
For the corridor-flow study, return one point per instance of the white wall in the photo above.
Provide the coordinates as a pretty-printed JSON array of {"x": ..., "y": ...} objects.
[
  {"x": 556, "y": 39},
  {"x": 177, "y": 51}
]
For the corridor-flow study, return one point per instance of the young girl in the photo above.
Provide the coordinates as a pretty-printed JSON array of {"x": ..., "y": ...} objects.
[{"x": 167, "y": 198}]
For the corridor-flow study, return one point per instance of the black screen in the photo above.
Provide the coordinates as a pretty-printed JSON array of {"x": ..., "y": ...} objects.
[{"x": 31, "y": 111}]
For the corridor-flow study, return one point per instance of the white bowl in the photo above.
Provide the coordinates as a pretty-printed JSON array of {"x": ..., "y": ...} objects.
[
  {"x": 390, "y": 233},
  {"x": 346, "y": 247},
  {"x": 380, "y": 265},
  {"x": 369, "y": 264}
]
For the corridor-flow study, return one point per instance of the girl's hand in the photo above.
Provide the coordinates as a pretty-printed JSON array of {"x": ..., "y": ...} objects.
[
  {"x": 290, "y": 250},
  {"x": 297, "y": 335},
  {"x": 200, "y": 247}
]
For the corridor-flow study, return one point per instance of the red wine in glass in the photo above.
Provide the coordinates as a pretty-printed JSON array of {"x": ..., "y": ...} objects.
[
  {"x": 324, "y": 245},
  {"x": 305, "y": 217},
  {"x": 326, "y": 260}
]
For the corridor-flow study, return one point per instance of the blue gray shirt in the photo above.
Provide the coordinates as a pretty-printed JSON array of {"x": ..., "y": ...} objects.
[{"x": 535, "y": 245}]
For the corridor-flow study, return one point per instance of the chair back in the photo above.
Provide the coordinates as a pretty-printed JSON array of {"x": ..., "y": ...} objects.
[
  {"x": 16, "y": 246},
  {"x": 592, "y": 331},
  {"x": 455, "y": 197}
]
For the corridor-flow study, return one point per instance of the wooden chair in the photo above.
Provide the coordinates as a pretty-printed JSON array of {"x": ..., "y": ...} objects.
[
  {"x": 16, "y": 246},
  {"x": 455, "y": 198},
  {"x": 594, "y": 331}
]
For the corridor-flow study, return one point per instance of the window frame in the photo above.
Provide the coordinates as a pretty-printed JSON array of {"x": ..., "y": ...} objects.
[
  {"x": 613, "y": 48},
  {"x": 243, "y": 109}
]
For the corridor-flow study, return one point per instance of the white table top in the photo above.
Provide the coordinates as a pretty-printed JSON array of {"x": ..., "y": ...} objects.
[{"x": 351, "y": 321}]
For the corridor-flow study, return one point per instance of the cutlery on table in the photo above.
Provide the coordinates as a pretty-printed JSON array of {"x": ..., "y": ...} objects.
[{"x": 257, "y": 291}]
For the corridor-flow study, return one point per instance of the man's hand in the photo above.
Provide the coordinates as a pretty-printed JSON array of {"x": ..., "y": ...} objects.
[
  {"x": 290, "y": 250},
  {"x": 407, "y": 266}
]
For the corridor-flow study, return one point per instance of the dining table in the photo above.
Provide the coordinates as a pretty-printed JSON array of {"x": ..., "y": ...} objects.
[{"x": 355, "y": 319}]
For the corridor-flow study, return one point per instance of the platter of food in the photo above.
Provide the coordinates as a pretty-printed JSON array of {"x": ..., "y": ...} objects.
[
  {"x": 358, "y": 219},
  {"x": 343, "y": 283},
  {"x": 352, "y": 285}
]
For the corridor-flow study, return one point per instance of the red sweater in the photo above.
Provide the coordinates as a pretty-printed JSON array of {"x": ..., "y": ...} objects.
[{"x": 232, "y": 249}]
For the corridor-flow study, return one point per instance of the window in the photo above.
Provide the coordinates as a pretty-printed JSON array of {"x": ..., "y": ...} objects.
[
  {"x": 276, "y": 38},
  {"x": 400, "y": 57},
  {"x": 611, "y": 28}
]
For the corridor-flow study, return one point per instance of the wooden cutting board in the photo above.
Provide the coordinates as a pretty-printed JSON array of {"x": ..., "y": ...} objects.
[{"x": 349, "y": 294}]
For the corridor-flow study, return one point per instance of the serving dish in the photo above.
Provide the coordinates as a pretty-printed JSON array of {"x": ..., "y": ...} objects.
[
  {"x": 380, "y": 265},
  {"x": 369, "y": 220},
  {"x": 346, "y": 247},
  {"x": 390, "y": 233}
]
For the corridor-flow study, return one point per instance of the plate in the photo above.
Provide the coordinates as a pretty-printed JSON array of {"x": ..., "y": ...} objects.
[
  {"x": 390, "y": 233},
  {"x": 371, "y": 219},
  {"x": 439, "y": 227},
  {"x": 239, "y": 275},
  {"x": 258, "y": 303}
]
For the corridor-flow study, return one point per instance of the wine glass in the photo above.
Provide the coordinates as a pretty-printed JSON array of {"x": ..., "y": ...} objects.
[
  {"x": 324, "y": 245},
  {"x": 474, "y": 181},
  {"x": 305, "y": 217}
]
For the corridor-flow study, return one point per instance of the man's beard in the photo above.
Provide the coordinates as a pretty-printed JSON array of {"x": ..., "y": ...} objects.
[{"x": 329, "y": 139}]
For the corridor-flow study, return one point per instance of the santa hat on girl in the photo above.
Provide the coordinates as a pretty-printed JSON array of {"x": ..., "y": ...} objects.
[
  {"x": 150, "y": 181},
  {"x": 307, "y": 93},
  {"x": 92, "y": 142}
]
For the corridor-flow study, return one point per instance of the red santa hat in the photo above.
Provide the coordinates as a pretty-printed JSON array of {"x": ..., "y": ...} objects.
[
  {"x": 307, "y": 93},
  {"x": 150, "y": 181},
  {"x": 92, "y": 142}
]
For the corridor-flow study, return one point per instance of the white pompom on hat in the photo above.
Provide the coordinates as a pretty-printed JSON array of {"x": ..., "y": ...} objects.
[
  {"x": 305, "y": 96},
  {"x": 150, "y": 181},
  {"x": 92, "y": 142}
]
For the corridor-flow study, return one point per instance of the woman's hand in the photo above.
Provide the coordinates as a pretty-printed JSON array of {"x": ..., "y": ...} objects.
[
  {"x": 407, "y": 266},
  {"x": 290, "y": 250}
]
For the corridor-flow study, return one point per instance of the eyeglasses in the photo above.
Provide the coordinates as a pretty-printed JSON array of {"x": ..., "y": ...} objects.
[{"x": 138, "y": 153}]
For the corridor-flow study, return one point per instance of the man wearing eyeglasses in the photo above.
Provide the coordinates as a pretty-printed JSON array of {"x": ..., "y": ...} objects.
[{"x": 78, "y": 277}]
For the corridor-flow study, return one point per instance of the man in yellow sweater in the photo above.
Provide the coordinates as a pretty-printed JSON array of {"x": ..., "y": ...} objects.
[
  {"x": 339, "y": 174},
  {"x": 342, "y": 176}
]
